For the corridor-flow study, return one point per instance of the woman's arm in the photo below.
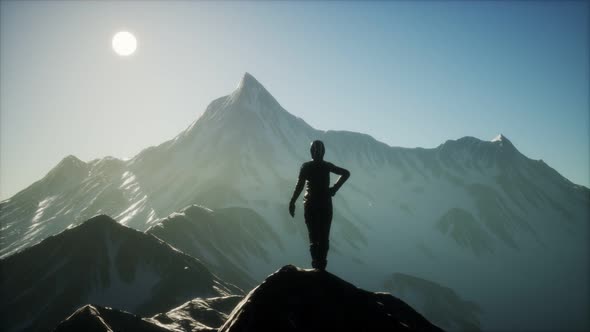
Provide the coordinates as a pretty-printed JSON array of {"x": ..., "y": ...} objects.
[
  {"x": 296, "y": 192},
  {"x": 344, "y": 175}
]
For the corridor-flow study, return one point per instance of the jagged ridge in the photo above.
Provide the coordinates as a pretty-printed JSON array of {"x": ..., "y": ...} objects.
[{"x": 291, "y": 299}]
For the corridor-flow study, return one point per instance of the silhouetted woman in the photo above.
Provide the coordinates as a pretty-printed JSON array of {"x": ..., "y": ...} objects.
[{"x": 317, "y": 201}]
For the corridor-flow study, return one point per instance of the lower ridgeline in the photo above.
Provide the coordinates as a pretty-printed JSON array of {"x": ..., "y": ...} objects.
[{"x": 291, "y": 299}]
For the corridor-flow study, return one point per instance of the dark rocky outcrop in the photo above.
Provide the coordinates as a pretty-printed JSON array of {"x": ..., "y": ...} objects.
[{"x": 293, "y": 299}]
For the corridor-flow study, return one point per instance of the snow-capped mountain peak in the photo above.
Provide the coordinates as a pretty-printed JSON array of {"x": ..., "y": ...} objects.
[
  {"x": 503, "y": 142},
  {"x": 69, "y": 164},
  {"x": 252, "y": 95},
  {"x": 249, "y": 101},
  {"x": 249, "y": 81},
  {"x": 249, "y": 114},
  {"x": 499, "y": 137}
]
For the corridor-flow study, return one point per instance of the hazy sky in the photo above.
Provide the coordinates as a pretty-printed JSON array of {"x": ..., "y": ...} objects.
[{"x": 409, "y": 74}]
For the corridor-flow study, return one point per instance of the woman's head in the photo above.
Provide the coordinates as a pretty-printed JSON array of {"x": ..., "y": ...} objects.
[{"x": 317, "y": 150}]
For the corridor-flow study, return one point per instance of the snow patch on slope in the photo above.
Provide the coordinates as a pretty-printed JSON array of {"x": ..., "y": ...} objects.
[{"x": 43, "y": 205}]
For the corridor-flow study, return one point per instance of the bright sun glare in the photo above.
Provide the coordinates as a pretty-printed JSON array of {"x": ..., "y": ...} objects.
[{"x": 124, "y": 43}]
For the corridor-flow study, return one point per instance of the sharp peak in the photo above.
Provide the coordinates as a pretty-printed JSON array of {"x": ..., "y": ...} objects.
[
  {"x": 97, "y": 224},
  {"x": 68, "y": 164},
  {"x": 70, "y": 159},
  {"x": 100, "y": 224},
  {"x": 500, "y": 138},
  {"x": 196, "y": 207},
  {"x": 503, "y": 142},
  {"x": 499, "y": 141},
  {"x": 472, "y": 139},
  {"x": 251, "y": 91},
  {"x": 100, "y": 220},
  {"x": 249, "y": 77},
  {"x": 249, "y": 81}
]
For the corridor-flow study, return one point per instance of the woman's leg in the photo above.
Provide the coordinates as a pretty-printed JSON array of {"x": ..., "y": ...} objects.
[
  {"x": 311, "y": 220},
  {"x": 324, "y": 237},
  {"x": 318, "y": 219}
]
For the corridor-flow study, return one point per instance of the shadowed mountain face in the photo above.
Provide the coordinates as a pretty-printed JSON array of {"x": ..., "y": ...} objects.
[
  {"x": 310, "y": 300},
  {"x": 228, "y": 240},
  {"x": 473, "y": 205},
  {"x": 99, "y": 262},
  {"x": 441, "y": 304}
]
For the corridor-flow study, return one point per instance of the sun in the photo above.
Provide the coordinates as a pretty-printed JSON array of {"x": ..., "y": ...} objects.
[{"x": 124, "y": 43}]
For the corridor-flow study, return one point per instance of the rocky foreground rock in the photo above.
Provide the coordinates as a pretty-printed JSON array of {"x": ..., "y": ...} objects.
[{"x": 294, "y": 299}]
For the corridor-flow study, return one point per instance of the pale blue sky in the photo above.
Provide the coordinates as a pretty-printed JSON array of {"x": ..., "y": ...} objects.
[{"x": 409, "y": 74}]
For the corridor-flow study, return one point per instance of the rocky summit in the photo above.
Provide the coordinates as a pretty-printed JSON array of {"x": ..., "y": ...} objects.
[{"x": 294, "y": 299}]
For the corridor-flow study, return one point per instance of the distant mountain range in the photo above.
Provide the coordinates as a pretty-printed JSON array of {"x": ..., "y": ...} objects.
[{"x": 476, "y": 217}]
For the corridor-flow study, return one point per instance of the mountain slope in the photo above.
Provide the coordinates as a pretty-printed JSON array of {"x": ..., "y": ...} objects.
[
  {"x": 441, "y": 304},
  {"x": 99, "y": 262},
  {"x": 228, "y": 240}
]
